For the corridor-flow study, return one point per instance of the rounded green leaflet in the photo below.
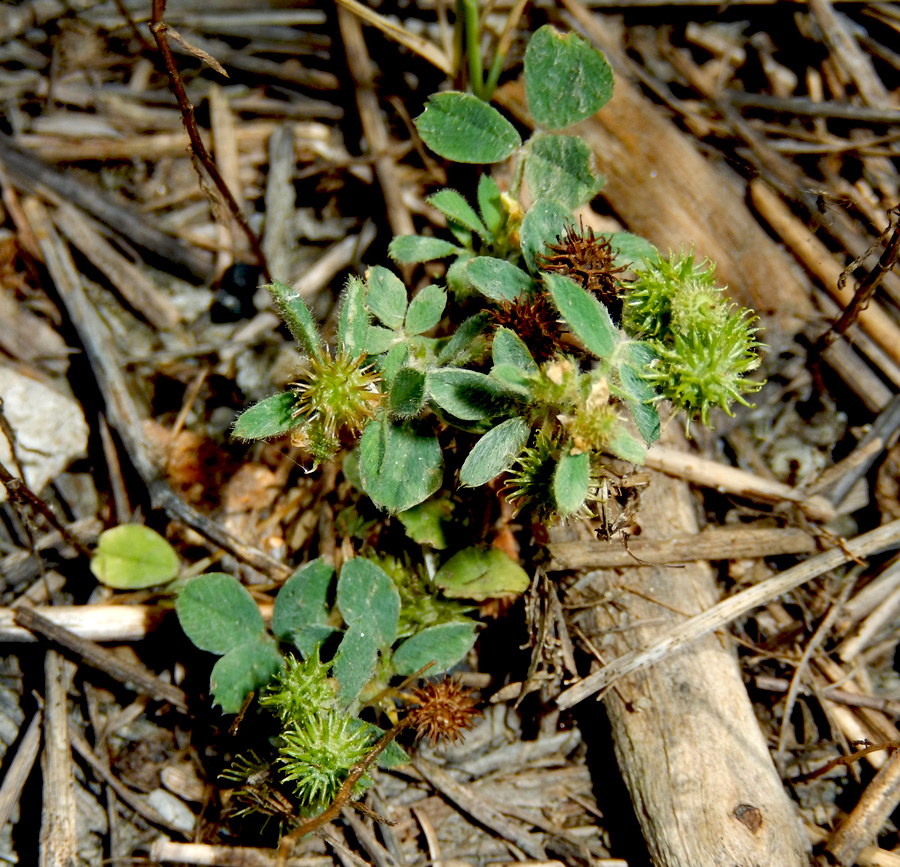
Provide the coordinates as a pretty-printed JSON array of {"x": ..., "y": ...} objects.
[
  {"x": 400, "y": 464},
  {"x": 444, "y": 644},
  {"x": 407, "y": 396},
  {"x": 497, "y": 279},
  {"x": 386, "y": 296},
  {"x": 495, "y": 452},
  {"x": 412, "y": 249},
  {"x": 426, "y": 309},
  {"x": 632, "y": 251},
  {"x": 627, "y": 447},
  {"x": 243, "y": 670},
  {"x": 566, "y": 80},
  {"x": 467, "y": 394},
  {"x": 543, "y": 224},
  {"x": 584, "y": 314},
  {"x": 559, "y": 167},
  {"x": 218, "y": 614},
  {"x": 571, "y": 480},
  {"x": 271, "y": 417},
  {"x": 463, "y": 128},
  {"x": 489, "y": 203},
  {"x": 425, "y": 523},
  {"x": 354, "y": 662},
  {"x": 638, "y": 393},
  {"x": 474, "y": 573},
  {"x": 453, "y": 206},
  {"x": 301, "y": 610},
  {"x": 367, "y": 596},
  {"x": 133, "y": 556},
  {"x": 509, "y": 348},
  {"x": 353, "y": 325}
]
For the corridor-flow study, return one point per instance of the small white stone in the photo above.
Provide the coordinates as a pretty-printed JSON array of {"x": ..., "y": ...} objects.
[{"x": 50, "y": 429}]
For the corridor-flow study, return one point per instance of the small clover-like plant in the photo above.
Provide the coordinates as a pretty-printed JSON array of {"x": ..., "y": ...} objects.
[
  {"x": 374, "y": 638},
  {"x": 549, "y": 349}
]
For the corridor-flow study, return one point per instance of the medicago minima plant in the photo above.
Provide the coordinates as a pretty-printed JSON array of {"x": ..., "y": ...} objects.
[
  {"x": 538, "y": 360},
  {"x": 545, "y": 350}
]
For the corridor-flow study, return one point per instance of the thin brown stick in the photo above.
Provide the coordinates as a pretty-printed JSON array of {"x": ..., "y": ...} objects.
[
  {"x": 867, "y": 818},
  {"x": 135, "y": 676},
  {"x": 867, "y": 287},
  {"x": 845, "y": 761},
  {"x": 159, "y": 28},
  {"x": 19, "y": 769},
  {"x": 22, "y": 495}
]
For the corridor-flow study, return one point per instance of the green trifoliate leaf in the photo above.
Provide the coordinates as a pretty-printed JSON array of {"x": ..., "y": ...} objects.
[
  {"x": 386, "y": 296},
  {"x": 366, "y": 596},
  {"x": 571, "y": 481},
  {"x": 412, "y": 249},
  {"x": 584, "y": 314},
  {"x": 466, "y": 394},
  {"x": 407, "y": 396},
  {"x": 218, "y": 614},
  {"x": 454, "y": 207},
  {"x": 463, "y": 128},
  {"x": 301, "y": 608},
  {"x": 133, "y": 556},
  {"x": 243, "y": 670},
  {"x": 489, "y": 203},
  {"x": 560, "y": 167},
  {"x": 497, "y": 279},
  {"x": 477, "y": 574},
  {"x": 425, "y": 310},
  {"x": 509, "y": 348},
  {"x": 542, "y": 225},
  {"x": 271, "y": 417},
  {"x": 296, "y": 316},
  {"x": 495, "y": 452},
  {"x": 353, "y": 325},
  {"x": 400, "y": 464},
  {"x": 354, "y": 662},
  {"x": 464, "y": 344},
  {"x": 444, "y": 645},
  {"x": 566, "y": 80}
]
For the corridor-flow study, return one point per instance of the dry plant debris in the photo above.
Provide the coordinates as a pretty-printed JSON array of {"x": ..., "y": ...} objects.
[{"x": 128, "y": 291}]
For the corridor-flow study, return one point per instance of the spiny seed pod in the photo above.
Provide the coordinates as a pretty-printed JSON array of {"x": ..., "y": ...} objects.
[
  {"x": 703, "y": 369},
  {"x": 318, "y": 752},
  {"x": 446, "y": 710},
  {"x": 586, "y": 259},
  {"x": 648, "y": 302},
  {"x": 300, "y": 689},
  {"x": 530, "y": 481},
  {"x": 338, "y": 393},
  {"x": 536, "y": 321},
  {"x": 698, "y": 305}
]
